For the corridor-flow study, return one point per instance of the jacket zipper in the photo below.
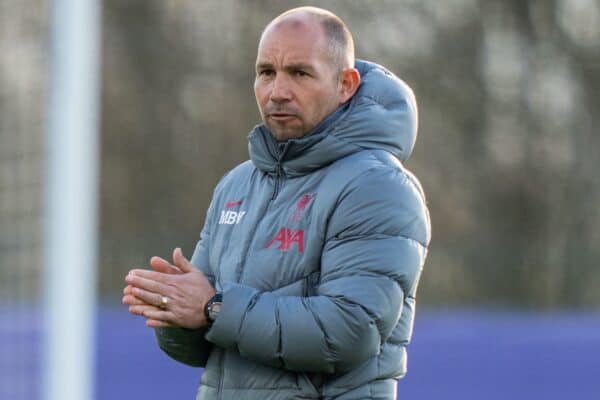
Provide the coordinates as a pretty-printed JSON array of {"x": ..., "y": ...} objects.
[
  {"x": 277, "y": 181},
  {"x": 276, "y": 187},
  {"x": 279, "y": 170},
  {"x": 240, "y": 275}
]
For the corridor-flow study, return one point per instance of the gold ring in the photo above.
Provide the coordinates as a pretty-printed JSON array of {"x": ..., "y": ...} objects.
[{"x": 164, "y": 302}]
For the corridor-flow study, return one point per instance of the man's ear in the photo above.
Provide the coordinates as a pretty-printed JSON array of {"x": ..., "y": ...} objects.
[{"x": 349, "y": 83}]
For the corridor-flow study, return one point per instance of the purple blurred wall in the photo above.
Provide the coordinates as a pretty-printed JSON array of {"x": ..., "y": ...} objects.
[{"x": 454, "y": 355}]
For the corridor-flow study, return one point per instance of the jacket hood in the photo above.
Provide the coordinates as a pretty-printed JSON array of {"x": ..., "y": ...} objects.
[{"x": 381, "y": 115}]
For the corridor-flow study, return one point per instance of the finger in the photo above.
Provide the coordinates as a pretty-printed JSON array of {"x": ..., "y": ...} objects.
[
  {"x": 153, "y": 275},
  {"x": 150, "y": 298},
  {"x": 149, "y": 284},
  {"x": 128, "y": 290},
  {"x": 181, "y": 262},
  {"x": 158, "y": 314},
  {"x": 142, "y": 309},
  {"x": 131, "y": 300},
  {"x": 159, "y": 264},
  {"x": 153, "y": 323}
]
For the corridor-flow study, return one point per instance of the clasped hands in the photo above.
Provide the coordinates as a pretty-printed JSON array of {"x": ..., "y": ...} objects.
[{"x": 184, "y": 286}]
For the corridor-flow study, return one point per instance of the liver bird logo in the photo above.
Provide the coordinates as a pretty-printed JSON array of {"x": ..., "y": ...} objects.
[{"x": 301, "y": 205}]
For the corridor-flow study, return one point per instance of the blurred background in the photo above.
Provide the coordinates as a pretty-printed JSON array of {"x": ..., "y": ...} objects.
[{"x": 508, "y": 153}]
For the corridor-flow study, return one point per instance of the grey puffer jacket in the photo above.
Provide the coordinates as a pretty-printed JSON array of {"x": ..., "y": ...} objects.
[{"x": 317, "y": 245}]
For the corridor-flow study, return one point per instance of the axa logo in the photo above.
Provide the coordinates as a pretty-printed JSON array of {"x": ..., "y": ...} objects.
[
  {"x": 287, "y": 238},
  {"x": 230, "y": 217}
]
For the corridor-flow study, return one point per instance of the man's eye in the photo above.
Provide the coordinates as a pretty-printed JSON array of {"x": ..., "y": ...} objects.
[
  {"x": 300, "y": 73},
  {"x": 266, "y": 72}
]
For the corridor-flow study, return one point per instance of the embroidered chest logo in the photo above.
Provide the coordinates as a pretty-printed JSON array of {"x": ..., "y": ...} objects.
[
  {"x": 229, "y": 216},
  {"x": 301, "y": 206},
  {"x": 286, "y": 238},
  {"x": 232, "y": 204}
]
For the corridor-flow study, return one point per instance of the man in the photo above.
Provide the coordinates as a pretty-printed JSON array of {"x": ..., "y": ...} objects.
[{"x": 303, "y": 282}]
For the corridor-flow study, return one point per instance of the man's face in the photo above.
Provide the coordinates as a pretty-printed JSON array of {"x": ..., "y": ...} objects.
[{"x": 296, "y": 83}]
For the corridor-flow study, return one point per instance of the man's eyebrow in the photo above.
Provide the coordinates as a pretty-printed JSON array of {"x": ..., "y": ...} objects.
[
  {"x": 289, "y": 67},
  {"x": 264, "y": 65},
  {"x": 299, "y": 66}
]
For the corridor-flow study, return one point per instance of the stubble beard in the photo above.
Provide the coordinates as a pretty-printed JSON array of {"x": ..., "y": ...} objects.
[
  {"x": 281, "y": 132},
  {"x": 281, "y": 135}
]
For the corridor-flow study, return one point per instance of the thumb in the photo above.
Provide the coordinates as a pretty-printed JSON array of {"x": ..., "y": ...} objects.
[{"x": 181, "y": 262}]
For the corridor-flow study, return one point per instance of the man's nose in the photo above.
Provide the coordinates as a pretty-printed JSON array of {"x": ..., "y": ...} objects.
[{"x": 280, "y": 91}]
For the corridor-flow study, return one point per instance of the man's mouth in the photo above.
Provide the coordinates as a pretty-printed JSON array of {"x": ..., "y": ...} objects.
[{"x": 281, "y": 117}]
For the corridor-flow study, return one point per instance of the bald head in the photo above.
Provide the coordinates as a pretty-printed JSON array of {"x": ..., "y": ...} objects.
[{"x": 338, "y": 39}]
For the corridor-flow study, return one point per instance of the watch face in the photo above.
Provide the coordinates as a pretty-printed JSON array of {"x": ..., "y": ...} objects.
[{"x": 213, "y": 310}]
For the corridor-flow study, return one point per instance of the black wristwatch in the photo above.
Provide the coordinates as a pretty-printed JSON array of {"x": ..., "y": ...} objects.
[{"x": 213, "y": 307}]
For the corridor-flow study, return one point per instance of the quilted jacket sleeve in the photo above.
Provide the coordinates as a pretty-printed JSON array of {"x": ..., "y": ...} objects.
[
  {"x": 373, "y": 253},
  {"x": 189, "y": 345}
]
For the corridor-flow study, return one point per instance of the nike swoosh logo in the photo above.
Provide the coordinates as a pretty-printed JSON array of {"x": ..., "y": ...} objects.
[{"x": 231, "y": 204}]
